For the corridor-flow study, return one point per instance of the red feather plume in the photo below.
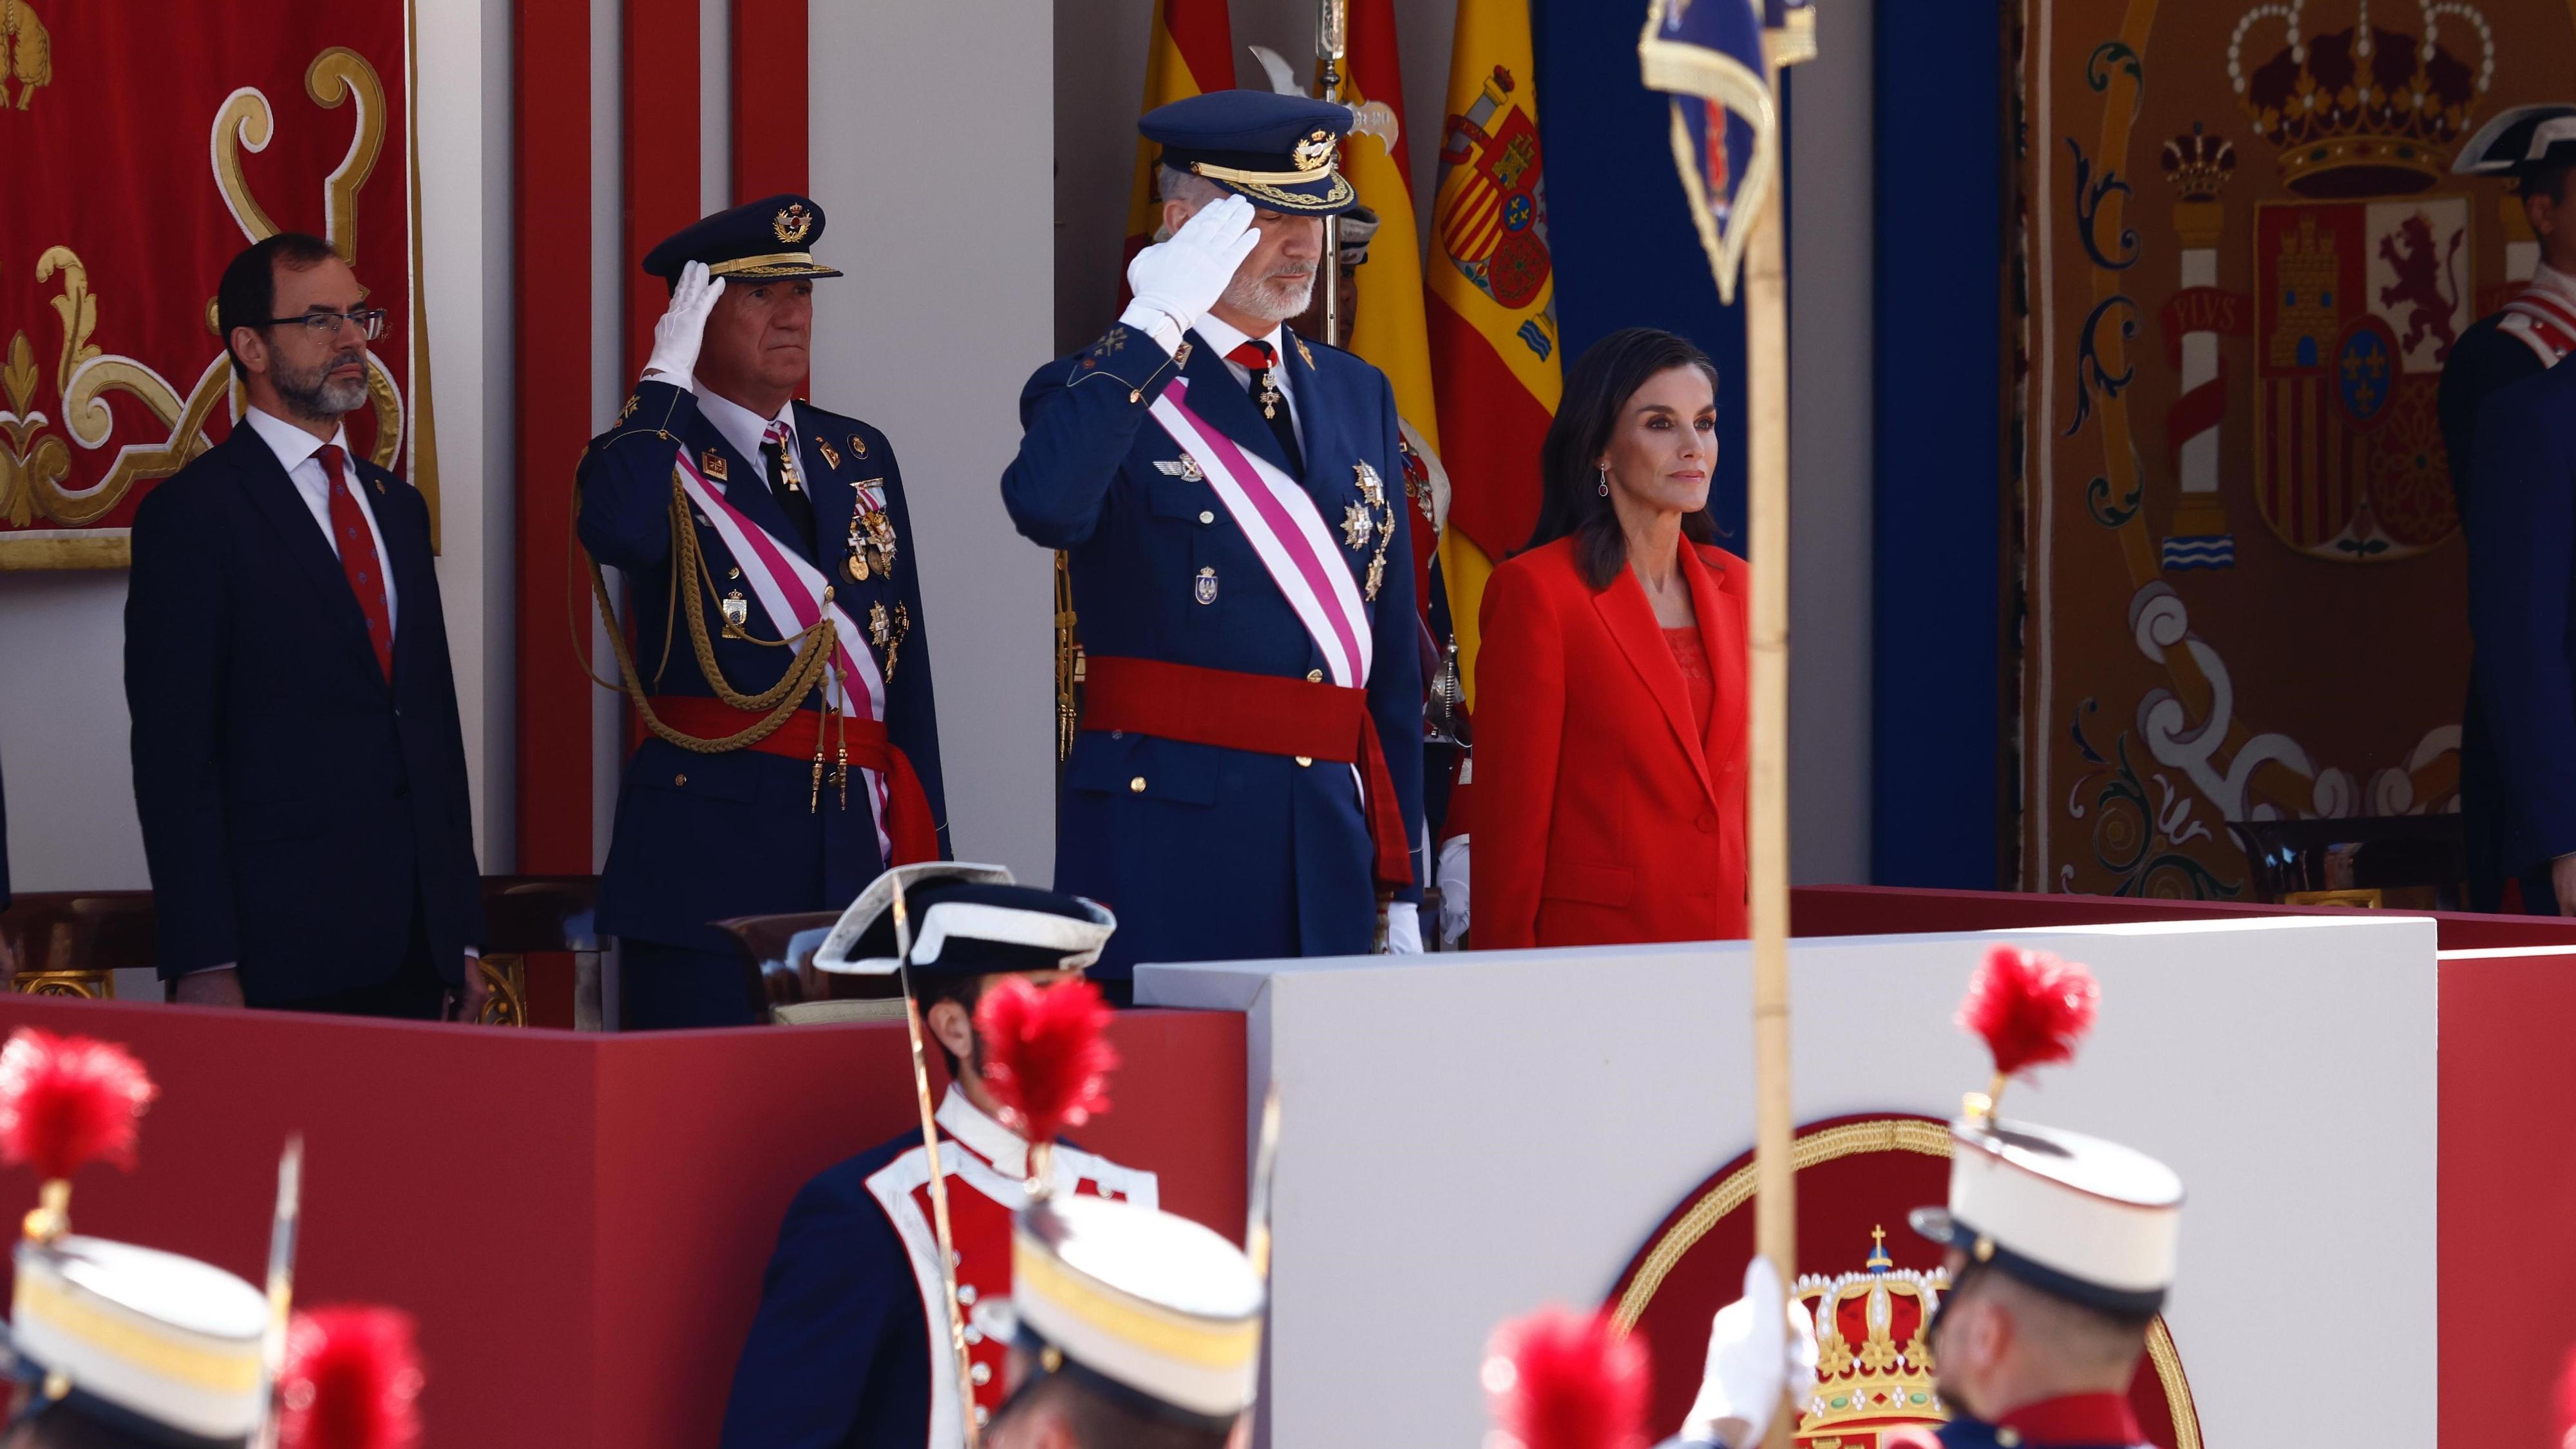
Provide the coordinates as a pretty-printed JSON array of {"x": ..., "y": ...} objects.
[
  {"x": 1046, "y": 1059},
  {"x": 1564, "y": 1380},
  {"x": 2032, "y": 1008},
  {"x": 66, "y": 1101},
  {"x": 352, "y": 1381}
]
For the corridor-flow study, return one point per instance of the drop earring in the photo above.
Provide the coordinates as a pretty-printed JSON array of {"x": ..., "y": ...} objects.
[{"x": 1604, "y": 489}]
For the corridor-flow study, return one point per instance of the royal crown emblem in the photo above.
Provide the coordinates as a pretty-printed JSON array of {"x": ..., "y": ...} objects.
[
  {"x": 1315, "y": 153},
  {"x": 1873, "y": 1357},
  {"x": 793, "y": 223},
  {"x": 2364, "y": 111}
]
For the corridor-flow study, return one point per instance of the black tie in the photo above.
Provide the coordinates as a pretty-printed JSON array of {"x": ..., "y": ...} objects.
[
  {"x": 1258, "y": 359},
  {"x": 791, "y": 497}
]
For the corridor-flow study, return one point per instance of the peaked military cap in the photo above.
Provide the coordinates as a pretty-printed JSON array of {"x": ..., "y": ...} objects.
[
  {"x": 2520, "y": 141},
  {"x": 967, "y": 920},
  {"x": 1280, "y": 152},
  {"x": 159, "y": 1348},
  {"x": 1137, "y": 1305},
  {"x": 2078, "y": 1217},
  {"x": 767, "y": 240}
]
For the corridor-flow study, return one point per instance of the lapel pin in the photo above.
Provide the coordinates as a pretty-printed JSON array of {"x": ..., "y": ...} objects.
[
  {"x": 712, "y": 464},
  {"x": 831, "y": 455},
  {"x": 858, "y": 446}
]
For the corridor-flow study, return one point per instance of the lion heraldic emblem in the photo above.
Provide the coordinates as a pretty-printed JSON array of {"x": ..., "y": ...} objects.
[
  {"x": 28, "y": 50},
  {"x": 1491, "y": 213}
]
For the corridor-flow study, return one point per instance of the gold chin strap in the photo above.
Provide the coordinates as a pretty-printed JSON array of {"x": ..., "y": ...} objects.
[{"x": 814, "y": 650}]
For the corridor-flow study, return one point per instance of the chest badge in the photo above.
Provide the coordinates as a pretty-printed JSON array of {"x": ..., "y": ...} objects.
[
  {"x": 737, "y": 612},
  {"x": 858, "y": 446},
  {"x": 831, "y": 455},
  {"x": 1184, "y": 467},
  {"x": 712, "y": 464},
  {"x": 1203, "y": 588},
  {"x": 1357, "y": 527}
]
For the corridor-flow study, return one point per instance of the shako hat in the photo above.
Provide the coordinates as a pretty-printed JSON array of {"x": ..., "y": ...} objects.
[
  {"x": 2520, "y": 141},
  {"x": 765, "y": 240},
  {"x": 1138, "y": 1305},
  {"x": 967, "y": 920},
  {"x": 1279, "y": 152},
  {"x": 2075, "y": 1216}
]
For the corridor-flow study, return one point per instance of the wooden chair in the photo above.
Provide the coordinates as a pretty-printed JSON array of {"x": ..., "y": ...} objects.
[
  {"x": 2412, "y": 862},
  {"x": 778, "y": 972},
  {"x": 68, "y": 943},
  {"x": 541, "y": 915}
]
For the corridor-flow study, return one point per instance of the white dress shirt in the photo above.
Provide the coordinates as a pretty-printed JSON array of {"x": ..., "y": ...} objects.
[
  {"x": 297, "y": 452},
  {"x": 1222, "y": 336},
  {"x": 747, "y": 430}
]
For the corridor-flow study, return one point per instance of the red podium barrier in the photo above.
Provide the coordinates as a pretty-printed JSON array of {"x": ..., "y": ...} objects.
[{"x": 579, "y": 1222}]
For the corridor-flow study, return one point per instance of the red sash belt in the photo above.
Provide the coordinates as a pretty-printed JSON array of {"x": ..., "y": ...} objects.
[
  {"x": 1263, "y": 713},
  {"x": 811, "y": 735}
]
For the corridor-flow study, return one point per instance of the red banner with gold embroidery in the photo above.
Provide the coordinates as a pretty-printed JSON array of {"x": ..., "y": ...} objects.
[{"x": 148, "y": 142}]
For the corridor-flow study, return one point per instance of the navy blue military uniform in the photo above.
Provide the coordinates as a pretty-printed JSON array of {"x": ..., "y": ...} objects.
[
  {"x": 2079, "y": 1421},
  {"x": 2522, "y": 610},
  {"x": 701, "y": 837},
  {"x": 2494, "y": 353},
  {"x": 850, "y": 1347},
  {"x": 1208, "y": 852}
]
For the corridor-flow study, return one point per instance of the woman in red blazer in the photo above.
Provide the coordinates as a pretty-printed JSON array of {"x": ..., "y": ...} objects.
[{"x": 1610, "y": 704}]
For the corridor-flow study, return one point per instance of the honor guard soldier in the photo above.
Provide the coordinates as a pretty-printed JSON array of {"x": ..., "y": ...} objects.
[
  {"x": 780, "y": 665},
  {"x": 2536, "y": 147},
  {"x": 850, "y": 1347},
  {"x": 1246, "y": 781},
  {"x": 1136, "y": 1330}
]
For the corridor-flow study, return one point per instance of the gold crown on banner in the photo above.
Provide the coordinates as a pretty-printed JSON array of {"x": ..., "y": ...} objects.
[
  {"x": 1873, "y": 1358},
  {"x": 2198, "y": 164},
  {"x": 2366, "y": 110}
]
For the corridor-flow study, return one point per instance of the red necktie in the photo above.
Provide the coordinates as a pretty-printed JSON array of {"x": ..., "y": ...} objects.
[{"x": 358, "y": 558}]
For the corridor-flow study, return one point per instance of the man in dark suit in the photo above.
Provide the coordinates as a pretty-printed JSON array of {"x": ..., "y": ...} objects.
[
  {"x": 298, "y": 765},
  {"x": 771, "y": 779}
]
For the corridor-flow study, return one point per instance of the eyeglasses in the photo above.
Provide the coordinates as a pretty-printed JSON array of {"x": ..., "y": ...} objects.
[{"x": 370, "y": 322}]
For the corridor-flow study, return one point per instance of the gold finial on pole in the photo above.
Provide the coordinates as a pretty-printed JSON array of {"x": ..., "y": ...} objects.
[{"x": 1332, "y": 42}]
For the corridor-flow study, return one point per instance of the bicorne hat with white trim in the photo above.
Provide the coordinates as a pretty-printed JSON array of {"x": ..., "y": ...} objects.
[
  {"x": 2520, "y": 141},
  {"x": 1138, "y": 1306},
  {"x": 967, "y": 920},
  {"x": 2075, "y": 1216}
]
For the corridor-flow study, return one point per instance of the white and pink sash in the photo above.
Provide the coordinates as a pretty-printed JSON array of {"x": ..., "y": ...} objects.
[
  {"x": 792, "y": 593},
  {"x": 1286, "y": 530}
]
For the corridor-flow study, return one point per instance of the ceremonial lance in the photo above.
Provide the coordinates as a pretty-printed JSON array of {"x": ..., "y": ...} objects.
[{"x": 1720, "y": 59}]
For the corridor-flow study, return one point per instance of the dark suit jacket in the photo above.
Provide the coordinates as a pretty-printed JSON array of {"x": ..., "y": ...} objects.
[
  {"x": 295, "y": 805},
  {"x": 1603, "y": 812},
  {"x": 2522, "y": 608}
]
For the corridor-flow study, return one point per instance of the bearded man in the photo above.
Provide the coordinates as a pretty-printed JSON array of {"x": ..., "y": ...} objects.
[
  {"x": 298, "y": 765},
  {"x": 1247, "y": 780}
]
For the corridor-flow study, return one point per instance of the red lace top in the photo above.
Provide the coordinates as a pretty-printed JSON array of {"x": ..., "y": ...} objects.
[{"x": 1692, "y": 656}]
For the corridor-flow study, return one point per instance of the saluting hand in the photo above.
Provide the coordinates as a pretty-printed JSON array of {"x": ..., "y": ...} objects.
[
  {"x": 684, "y": 326},
  {"x": 1183, "y": 277}
]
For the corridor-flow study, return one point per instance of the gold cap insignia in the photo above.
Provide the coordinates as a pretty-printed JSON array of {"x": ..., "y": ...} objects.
[
  {"x": 1315, "y": 153},
  {"x": 712, "y": 464},
  {"x": 793, "y": 223}
]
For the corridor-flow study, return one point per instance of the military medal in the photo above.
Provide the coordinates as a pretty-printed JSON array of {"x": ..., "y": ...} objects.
[
  {"x": 1357, "y": 526},
  {"x": 737, "y": 611},
  {"x": 1270, "y": 392},
  {"x": 1204, "y": 588},
  {"x": 712, "y": 464},
  {"x": 858, "y": 446},
  {"x": 1371, "y": 516}
]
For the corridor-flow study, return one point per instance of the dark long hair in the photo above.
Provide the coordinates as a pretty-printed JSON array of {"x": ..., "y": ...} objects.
[{"x": 1604, "y": 378}]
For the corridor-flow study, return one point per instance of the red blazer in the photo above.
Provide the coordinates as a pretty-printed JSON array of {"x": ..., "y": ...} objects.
[{"x": 1602, "y": 814}]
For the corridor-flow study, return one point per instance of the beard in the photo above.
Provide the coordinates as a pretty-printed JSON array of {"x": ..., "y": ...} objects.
[
  {"x": 1274, "y": 296},
  {"x": 314, "y": 394}
]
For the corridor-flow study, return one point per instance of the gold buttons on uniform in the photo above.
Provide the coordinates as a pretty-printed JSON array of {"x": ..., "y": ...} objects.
[
  {"x": 1136, "y": 786},
  {"x": 1305, "y": 762},
  {"x": 1314, "y": 676}
]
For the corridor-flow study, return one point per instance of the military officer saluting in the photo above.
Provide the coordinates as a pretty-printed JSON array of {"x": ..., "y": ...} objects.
[
  {"x": 779, "y": 665},
  {"x": 1247, "y": 780},
  {"x": 2536, "y": 147}
]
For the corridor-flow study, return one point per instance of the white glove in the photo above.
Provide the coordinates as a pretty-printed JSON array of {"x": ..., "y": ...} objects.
[
  {"x": 684, "y": 326},
  {"x": 1752, "y": 1362},
  {"x": 1403, "y": 929},
  {"x": 1451, "y": 875},
  {"x": 1181, "y": 278}
]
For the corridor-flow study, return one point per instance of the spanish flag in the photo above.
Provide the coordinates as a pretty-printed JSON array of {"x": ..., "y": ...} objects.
[
  {"x": 1191, "y": 53},
  {"x": 1492, "y": 310},
  {"x": 1387, "y": 326}
]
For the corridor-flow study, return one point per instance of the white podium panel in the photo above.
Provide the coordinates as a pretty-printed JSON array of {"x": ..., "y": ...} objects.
[{"x": 1469, "y": 1136}]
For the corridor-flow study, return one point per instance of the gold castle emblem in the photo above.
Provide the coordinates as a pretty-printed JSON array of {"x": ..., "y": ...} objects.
[{"x": 29, "y": 49}]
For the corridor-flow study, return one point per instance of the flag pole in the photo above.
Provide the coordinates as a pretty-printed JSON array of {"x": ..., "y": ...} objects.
[
  {"x": 1332, "y": 42},
  {"x": 1766, "y": 396}
]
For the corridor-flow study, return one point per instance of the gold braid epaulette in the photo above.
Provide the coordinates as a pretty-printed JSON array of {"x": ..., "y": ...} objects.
[{"x": 814, "y": 646}]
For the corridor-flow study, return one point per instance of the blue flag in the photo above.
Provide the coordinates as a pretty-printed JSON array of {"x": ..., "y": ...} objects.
[{"x": 1726, "y": 127}]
